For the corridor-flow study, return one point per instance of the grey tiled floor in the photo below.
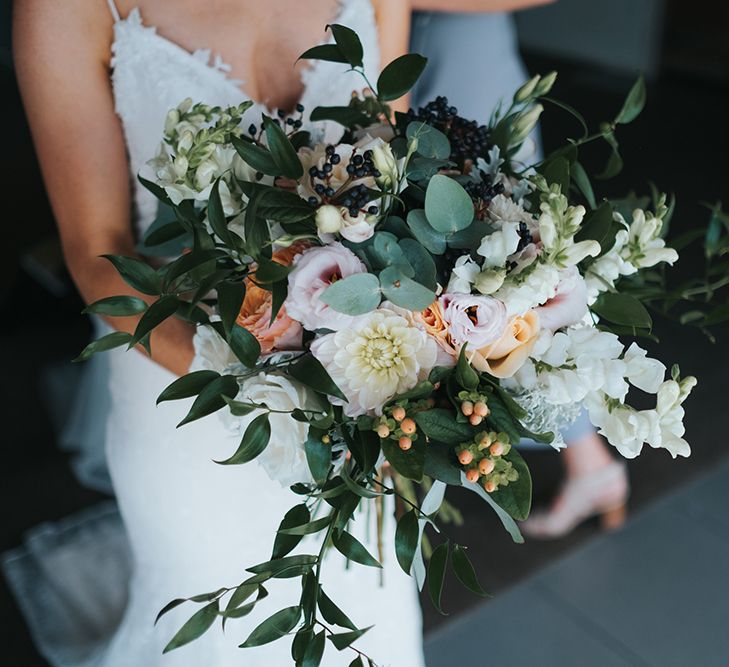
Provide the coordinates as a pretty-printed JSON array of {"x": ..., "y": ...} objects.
[{"x": 654, "y": 594}]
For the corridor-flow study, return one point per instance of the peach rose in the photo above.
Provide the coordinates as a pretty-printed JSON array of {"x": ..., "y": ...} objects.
[
  {"x": 255, "y": 313},
  {"x": 432, "y": 322},
  {"x": 507, "y": 355}
]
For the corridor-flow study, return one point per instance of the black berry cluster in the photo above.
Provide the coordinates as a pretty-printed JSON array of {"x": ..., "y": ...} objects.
[
  {"x": 525, "y": 236},
  {"x": 353, "y": 197},
  {"x": 469, "y": 140},
  {"x": 284, "y": 119},
  {"x": 482, "y": 192}
]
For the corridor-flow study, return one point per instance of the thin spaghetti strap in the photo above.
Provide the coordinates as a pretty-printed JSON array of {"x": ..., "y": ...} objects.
[{"x": 114, "y": 11}]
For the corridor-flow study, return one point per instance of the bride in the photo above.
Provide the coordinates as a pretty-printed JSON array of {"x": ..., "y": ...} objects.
[{"x": 97, "y": 79}]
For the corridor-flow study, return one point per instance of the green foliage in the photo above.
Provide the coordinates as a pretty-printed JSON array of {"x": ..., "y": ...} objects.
[
  {"x": 464, "y": 571},
  {"x": 309, "y": 371},
  {"x": 195, "y": 627},
  {"x": 285, "y": 542},
  {"x": 282, "y": 152},
  {"x": 441, "y": 425},
  {"x": 354, "y": 295},
  {"x": 516, "y": 497},
  {"x": 255, "y": 440},
  {"x": 211, "y": 398},
  {"x": 117, "y": 306},
  {"x": 407, "y": 540},
  {"x": 137, "y": 274},
  {"x": 107, "y": 342},
  {"x": 622, "y": 309},
  {"x": 274, "y": 627},
  {"x": 436, "y": 574},
  {"x": 187, "y": 385},
  {"x": 400, "y": 76},
  {"x": 349, "y": 546},
  {"x": 448, "y": 206}
]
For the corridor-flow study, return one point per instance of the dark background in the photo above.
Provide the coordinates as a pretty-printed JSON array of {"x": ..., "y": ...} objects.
[{"x": 680, "y": 142}]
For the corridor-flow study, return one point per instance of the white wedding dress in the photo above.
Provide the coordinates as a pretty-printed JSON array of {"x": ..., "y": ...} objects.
[{"x": 193, "y": 525}]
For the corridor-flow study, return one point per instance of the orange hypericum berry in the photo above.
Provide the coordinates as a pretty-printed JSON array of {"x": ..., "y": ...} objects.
[
  {"x": 489, "y": 487},
  {"x": 485, "y": 440},
  {"x": 467, "y": 408},
  {"x": 481, "y": 409},
  {"x": 472, "y": 475},
  {"x": 383, "y": 430},
  {"x": 475, "y": 419},
  {"x": 408, "y": 426},
  {"x": 405, "y": 443},
  {"x": 398, "y": 413},
  {"x": 465, "y": 457},
  {"x": 485, "y": 466},
  {"x": 497, "y": 449}
]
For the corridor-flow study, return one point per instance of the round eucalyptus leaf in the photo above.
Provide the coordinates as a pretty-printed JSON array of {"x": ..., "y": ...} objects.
[
  {"x": 448, "y": 206},
  {"x": 354, "y": 295},
  {"x": 404, "y": 291}
]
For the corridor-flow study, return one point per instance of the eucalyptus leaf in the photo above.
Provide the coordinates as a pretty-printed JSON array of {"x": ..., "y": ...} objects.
[
  {"x": 448, "y": 207},
  {"x": 421, "y": 261},
  {"x": 314, "y": 650},
  {"x": 354, "y": 295},
  {"x": 423, "y": 231},
  {"x": 404, "y": 291},
  {"x": 431, "y": 143}
]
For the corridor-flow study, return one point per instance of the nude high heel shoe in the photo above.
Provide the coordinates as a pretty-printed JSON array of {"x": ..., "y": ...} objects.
[{"x": 603, "y": 493}]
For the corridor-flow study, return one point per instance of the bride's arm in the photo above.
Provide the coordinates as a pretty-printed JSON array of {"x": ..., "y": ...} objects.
[
  {"x": 475, "y": 5},
  {"x": 393, "y": 27},
  {"x": 61, "y": 51}
]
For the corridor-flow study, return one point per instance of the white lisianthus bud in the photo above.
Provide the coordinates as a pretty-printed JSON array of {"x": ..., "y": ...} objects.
[
  {"x": 173, "y": 117},
  {"x": 487, "y": 282},
  {"x": 526, "y": 91},
  {"x": 525, "y": 123},
  {"x": 204, "y": 174},
  {"x": 328, "y": 219},
  {"x": 545, "y": 84},
  {"x": 185, "y": 142},
  {"x": 386, "y": 164}
]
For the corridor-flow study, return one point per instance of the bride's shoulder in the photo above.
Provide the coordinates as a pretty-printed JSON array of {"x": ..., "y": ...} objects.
[{"x": 62, "y": 30}]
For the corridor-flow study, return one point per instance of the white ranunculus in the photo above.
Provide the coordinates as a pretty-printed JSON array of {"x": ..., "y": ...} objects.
[
  {"x": 378, "y": 357},
  {"x": 284, "y": 459}
]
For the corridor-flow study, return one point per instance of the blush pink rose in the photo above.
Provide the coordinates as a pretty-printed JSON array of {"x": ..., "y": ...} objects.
[
  {"x": 314, "y": 270},
  {"x": 473, "y": 320},
  {"x": 569, "y": 304}
]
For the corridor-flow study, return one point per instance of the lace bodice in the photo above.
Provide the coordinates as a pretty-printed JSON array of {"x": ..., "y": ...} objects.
[{"x": 151, "y": 74}]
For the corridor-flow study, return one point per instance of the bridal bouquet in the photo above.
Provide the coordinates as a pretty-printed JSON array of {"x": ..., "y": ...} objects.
[{"x": 399, "y": 301}]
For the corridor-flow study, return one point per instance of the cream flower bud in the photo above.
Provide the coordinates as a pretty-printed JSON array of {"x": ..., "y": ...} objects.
[
  {"x": 328, "y": 219},
  {"x": 386, "y": 164},
  {"x": 545, "y": 84},
  {"x": 525, "y": 123},
  {"x": 180, "y": 166},
  {"x": 185, "y": 105},
  {"x": 574, "y": 254},
  {"x": 526, "y": 91},
  {"x": 487, "y": 282}
]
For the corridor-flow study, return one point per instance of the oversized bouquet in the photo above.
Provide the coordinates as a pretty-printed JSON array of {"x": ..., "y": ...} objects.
[{"x": 422, "y": 296}]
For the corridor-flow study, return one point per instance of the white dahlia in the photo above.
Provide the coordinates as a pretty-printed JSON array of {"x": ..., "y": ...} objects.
[{"x": 380, "y": 356}]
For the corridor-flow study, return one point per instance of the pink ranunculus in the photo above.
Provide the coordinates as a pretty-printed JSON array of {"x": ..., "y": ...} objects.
[
  {"x": 569, "y": 304},
  {"x": 314, "y": 270},
  {"x": 476, "y": 321}
]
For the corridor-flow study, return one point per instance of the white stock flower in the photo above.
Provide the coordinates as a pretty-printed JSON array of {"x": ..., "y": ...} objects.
[
  {"x": 642, "y": 371},
  {"x": 498, "y": 245},
  {"x": 463, "y": 275},
  {"x": 529, "y": 289},
  {"x": 379, "y": 356}
]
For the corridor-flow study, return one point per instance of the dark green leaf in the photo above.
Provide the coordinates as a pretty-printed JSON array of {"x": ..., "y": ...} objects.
[
  {"x": 308, "y": 528},
  {"x": 245, "y": 345},
  {"x": 136, "y": 273},
  {"x": 283, "y": 544},
  {"x": 407, "y": 538},
  {"x": 195, "y": 261},
  {"x": 211, "y": 398},
  {"x": 348, "y": 43},
  {"x": 597, "y": 226},
  {"x": 256, "y": 156},
  {"x": 582, "y": 181},
  {"x": 216, "y": 215},
  {"x": 343, "y": 639},
  {"x": 557, "y": 171},
  {"x": 314, "y": 650},
  {"x": 195, "y": 627},
  {"x": 463, "y": 569},
  {"x": 279, "y": 566},
  {"x": 117, "y": 306},
  {"x": 268, "y": 271},
  {"x": 274, "y": 627},
  {"x": 350, "y": 547},
  {"x": 281, "y": 149},
  {"x": 230, "y": 301},
  {"x": 329, "y": 52},
  {"x": 408, "y": 464},
  {"x": 465, "y": 375},
  {"x": 255, "y": 440},
  {"x": 440, "y": 463},
  {"x": 318, "y": 455},
  {"x": 165, "y": 307},
  {"x": 400, "y": 76},
  {"x": 108, "y": 342},
  {"x": 440, "y": 424},
  {"x": 436, "y": 574},
  {"x": 516, "y": 498},
  {"x": 309, "y": 371},
  {"x": 624, "y": 309},
  {"x": 187, "y": 385},
  {"x": 333, "y": 614},
  {"x": 347, "y": 116},
  {"x": 504, "y": 517}
]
